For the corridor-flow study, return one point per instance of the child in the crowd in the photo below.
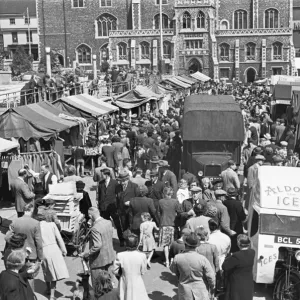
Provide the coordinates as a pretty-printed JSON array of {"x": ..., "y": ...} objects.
[{"x": 146, "y": 236}]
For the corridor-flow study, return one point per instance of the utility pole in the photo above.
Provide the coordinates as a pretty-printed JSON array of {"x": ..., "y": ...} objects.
[
  {"x": 28, "y": 23},
  {"x": 162, "y": 65}
]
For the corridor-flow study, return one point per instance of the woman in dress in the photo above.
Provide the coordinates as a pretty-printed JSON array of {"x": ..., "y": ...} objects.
[
  {"x": 131, "y": 264},
  {"x": 168, "y": 209},
  {"x": 238, "y": 269},
  {"x": 146, "y": 238},
  {"x": 54, "y": 249}
]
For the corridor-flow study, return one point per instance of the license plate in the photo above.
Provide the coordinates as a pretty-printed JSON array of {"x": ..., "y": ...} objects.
[{"x": 288, "y": 240}]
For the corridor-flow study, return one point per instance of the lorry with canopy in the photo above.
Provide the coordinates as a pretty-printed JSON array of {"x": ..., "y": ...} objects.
[
  {"x": 273, "y": 228},
  {"x": 213, "y": 132}
]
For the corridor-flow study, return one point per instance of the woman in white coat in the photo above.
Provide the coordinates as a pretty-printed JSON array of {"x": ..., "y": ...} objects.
[
  {"x": 54, "y": 249},
  {"x": 131, "y": 265}
]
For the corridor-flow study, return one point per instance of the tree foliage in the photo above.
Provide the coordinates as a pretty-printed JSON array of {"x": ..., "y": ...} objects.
[
  {"x": 21, "y": 62},
  {"x": 55, "y": 64}
]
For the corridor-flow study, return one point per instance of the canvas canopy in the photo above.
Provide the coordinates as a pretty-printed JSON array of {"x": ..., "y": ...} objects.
[
  {"x": 212, "y": 118},
  {"x": 134, "y": 98},
  {"x": 200, "y": 76},
  {"x": 6, "y": 145},
  {"x": 185, "y": 80},
  {"x": 38, "y": 120},
  {"x": 84, "y": 106},
  {"x": 178, "y": 82}
]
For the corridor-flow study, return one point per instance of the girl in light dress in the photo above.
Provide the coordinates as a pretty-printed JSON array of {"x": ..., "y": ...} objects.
[{"x": 146, "y": 237}]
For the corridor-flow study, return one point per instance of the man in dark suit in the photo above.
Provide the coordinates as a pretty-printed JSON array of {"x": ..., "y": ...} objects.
[
  {"x": 98, "y": 175},
  {"x": 101, "y": 254},
  {"x": 137, "y": 206},
  {"x": 107, "y": 201},
  {"x": 21, "y": 192},
  {"x": 155, "y": 188},
  {"x": 132, "y": 141},
  {"x": 168, "y": 178},
  {"x": 236, "y": 214},
  {"x": 126, "y": 191},
  {"x": 108, "y": 151},
  {"x": 31, "y": 227}
]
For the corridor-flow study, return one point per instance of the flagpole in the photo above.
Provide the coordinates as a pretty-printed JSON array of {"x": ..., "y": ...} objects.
[{"x": 29, "y": 40}]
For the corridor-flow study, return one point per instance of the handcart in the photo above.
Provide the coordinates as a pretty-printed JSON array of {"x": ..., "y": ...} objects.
[{"x": 73, "y": 223}]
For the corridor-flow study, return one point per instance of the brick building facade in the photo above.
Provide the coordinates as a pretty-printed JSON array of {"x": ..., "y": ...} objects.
[{"x": 247, "y": 40}]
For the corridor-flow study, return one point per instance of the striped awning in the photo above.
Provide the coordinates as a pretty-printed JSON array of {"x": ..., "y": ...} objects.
[
  {"x": 88, "y": 104},
  {"x": 185, "y": 80},
  {"x": 178, "y": 83}
]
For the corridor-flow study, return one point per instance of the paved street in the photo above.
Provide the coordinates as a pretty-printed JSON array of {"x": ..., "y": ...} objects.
[{"x": 160, "y": 282}]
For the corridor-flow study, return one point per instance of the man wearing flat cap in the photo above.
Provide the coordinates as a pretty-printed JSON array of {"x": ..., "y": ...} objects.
[
  {"x": 230, "y": 177},
  {"x": 168, "y": 178},
  {"x": 155, "y": 188}
]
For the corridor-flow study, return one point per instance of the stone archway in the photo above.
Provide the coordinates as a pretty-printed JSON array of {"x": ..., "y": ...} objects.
[
  {"x": 194, "y": 66},
  {"x": 250, "y": 75}
]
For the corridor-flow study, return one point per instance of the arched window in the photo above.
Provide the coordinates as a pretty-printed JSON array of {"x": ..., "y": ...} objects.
[
  {"x": 271, "y": 18},
  {"x": 165, "y": 21},
  {"x": 200, "y": 20},
  {"x": 84, "y": 54},
  {"x": 145, "y": 50},
  {"x": 250, "y": 51},
  {"x": 106, "y": 22},
  {"x": 224, "y": 25},
  {"x": 277, "y": 51},
  {"x": 167, "y": 50},
  {"x": 224, "y": 52},
  {"x": 104, "y": 52},
  {"x": 186, "y": 20},
  {"x": 240, "y": 19},
  {"x": 122, "y": 48}
]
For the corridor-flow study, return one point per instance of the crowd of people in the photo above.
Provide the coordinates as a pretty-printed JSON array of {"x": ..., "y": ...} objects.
[{"x": 152, "y": 202}]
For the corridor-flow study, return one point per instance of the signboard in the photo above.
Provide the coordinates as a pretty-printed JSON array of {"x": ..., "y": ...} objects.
[
  {"x": 288, "y": 240},
  {"x": 286, "y": 102},
  {"x": 278, "y": 188}
]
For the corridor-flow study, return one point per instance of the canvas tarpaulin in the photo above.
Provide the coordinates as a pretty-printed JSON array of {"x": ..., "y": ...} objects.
[
  {"x": 212, "y": 118},
  {"x": 132, "y": 99},
  {"x": 200, "y": 76},
  {"x": 179, "y": 83},
  {"x": 6, "y": 145},
  {"x": 85, "y": 106}
]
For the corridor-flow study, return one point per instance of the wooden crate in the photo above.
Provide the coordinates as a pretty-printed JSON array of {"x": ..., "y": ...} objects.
[{"x": 70, "y": 223}]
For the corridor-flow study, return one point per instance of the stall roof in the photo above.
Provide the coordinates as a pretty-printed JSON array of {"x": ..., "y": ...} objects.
[
  {"x": 200, "y": 76},
  {"x": 185, "y": 80},
  {"x": 194, "y": 80},
  {"x": 282, "y": 92},
  {"x": 132, "y": 99},
  {"x": 6, "y": 145},
  {"x": 84, "y": 106},
  {"x": 178, "y": 82},
  {"x": 214, "y": 118},
  {"x": 147, "y": 92},
  {"x": 13, "y": 124}
]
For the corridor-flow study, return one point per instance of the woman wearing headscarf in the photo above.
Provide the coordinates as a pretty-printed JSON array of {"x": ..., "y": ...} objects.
[
  {"x": 238, "y": 269},
  {"x": 131, "y": 265}
]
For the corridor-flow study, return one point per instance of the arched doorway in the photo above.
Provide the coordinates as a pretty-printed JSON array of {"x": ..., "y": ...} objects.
[
  {"x": 250, "y": 75},
  {"x": 61, "y": 59},
  {"x": 194, "y": 66}
]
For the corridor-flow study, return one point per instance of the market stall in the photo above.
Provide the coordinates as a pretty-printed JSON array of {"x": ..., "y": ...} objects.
[
  {"x": 200, "y": 76},
  {"x": 6, "y": 145}
]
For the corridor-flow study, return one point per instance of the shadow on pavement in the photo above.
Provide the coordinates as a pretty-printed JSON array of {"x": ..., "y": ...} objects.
[
  {"x": 166, "y": 276},
  {"x": 156, "y": 295}
]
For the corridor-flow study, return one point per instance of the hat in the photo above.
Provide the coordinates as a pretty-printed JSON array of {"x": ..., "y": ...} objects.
[
  {"x": 231, "y": 192},
  {"x": 257, "y": 150},
  {"x": 219, "y": 193},
  {"x": 191, "y": 240},
  {"x": 143, "y": 189},
  {"x": 196, "y": 189},
  {"x": 217, "y": 180},
  {"x": 163, "y": 163},
  {"x": 277, "y": 159},
  {"x": 134, "y": 116},
  {"x": 155, "y": 159},
  {"x": 267, "y": 136},
  {"x": 17, "y": 240},
  {"x": 123, "y": 175},
  {"x": 153, "y": 173},
  {"x": 80, "y": 185},
  {"x": 259, "y": 157},
  {"x": 292, "y": 127},
  {"x": 283, "y": 143}
]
